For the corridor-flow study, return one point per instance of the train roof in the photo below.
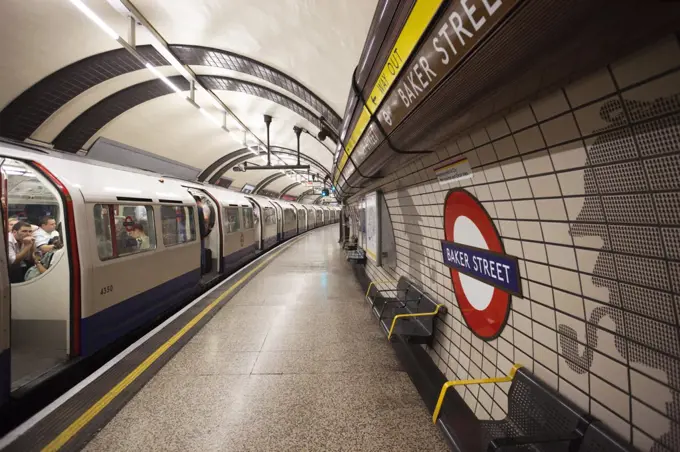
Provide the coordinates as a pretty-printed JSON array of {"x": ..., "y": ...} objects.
[{"x": 99, "y": 181}]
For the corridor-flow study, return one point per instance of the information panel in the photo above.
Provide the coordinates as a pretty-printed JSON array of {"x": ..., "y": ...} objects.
[{"x": 372, "y": 227}]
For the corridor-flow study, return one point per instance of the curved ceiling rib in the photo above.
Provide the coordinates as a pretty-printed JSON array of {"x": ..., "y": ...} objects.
[
  {"x": 242, "y": 155},
  {"x": 24, "y": 115},
  {"x": 78, "y": 132},
  {"x": 21, "y": 117},
  {"x": 304, "y": 193},
  {"x": 206, "y": 56},
  {"x": 266, "y": 181},
  {"x": 288, "y": 188}
]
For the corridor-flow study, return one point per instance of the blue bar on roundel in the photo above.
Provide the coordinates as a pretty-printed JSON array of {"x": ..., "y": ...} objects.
[{"x": 496, "y": 269}]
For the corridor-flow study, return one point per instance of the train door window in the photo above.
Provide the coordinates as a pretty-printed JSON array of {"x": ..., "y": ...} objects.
[
  {"x": 29, "y": 200},
  {"x": 177, "y": 223},
  {"x": 124, "y": 229},
  {"x": 38, "y": 270},
  {"x": 231, "y": 219},
  {"x": 269, "y": 215},
  {"x": 247, "y": 215},
  {"x": 289, "y": 216}
]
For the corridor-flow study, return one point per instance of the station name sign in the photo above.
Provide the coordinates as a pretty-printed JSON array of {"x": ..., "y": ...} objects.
[
  {"x": 458, "y": 30},
  {"x": 456, "y": 33},
  {"x": 498, "y": 270}
]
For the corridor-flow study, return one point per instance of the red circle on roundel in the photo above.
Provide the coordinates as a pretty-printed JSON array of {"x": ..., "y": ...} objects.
[
  {"x": 486, "y": 324},
  {"x": 128, "y": 223}
]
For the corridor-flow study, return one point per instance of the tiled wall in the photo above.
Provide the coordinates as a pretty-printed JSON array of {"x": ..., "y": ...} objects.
[{"x": 584, "y": 187}]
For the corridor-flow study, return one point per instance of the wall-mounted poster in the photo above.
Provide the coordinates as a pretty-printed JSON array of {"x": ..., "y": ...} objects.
[
  {"x": 361, "y": 212},
  {"x": 372, "y": 227}
]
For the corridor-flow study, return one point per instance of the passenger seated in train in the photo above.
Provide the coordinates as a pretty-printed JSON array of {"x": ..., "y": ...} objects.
[
  {"x": 142, "y": 239},
  {"x": 20, "y": 253},
  {"x": 11, "y": 222},
  {"x": 45, "y": 233},
  {"x": 125, "y": 242}
]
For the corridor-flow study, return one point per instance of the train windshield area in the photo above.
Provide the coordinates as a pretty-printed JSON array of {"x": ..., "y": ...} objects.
[{"x": 38, "y": 270}]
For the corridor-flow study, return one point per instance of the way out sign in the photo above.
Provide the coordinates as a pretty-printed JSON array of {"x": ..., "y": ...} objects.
[{"x": 483, "y": 276}]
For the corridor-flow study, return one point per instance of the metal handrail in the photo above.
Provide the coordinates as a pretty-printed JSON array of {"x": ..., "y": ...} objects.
[
  {"x": 478, "y": 381},
  {"x": 418, "y": 314}
]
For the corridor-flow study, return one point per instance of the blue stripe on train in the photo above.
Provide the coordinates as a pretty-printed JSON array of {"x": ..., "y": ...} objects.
[
  {"x": 289, "y": 234},
  {"x": 234, "y": 260},
  {"x": 5, "y": 376},
  {"x": 104, "y": 327}
]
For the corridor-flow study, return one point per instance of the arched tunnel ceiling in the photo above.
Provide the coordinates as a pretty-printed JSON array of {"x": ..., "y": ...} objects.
[{"x": 299, "y": 56}]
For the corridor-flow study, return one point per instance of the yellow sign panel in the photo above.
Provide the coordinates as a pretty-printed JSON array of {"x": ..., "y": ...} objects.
[{"x": 413, "y": 29}]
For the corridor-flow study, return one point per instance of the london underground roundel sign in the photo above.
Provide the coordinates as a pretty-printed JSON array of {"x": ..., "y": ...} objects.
[{"x": 483, "y": 276}]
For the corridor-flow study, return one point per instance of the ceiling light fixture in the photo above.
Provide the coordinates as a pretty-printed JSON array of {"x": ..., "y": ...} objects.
[
  {"x": 96, "y": 19},
  {"x": 165, "y": 52},
  {"x": 160, "y": 45},
  {"x": 157, "y": 73}
]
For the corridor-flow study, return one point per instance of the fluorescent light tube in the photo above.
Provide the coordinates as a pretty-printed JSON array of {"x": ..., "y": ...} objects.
[
  {"x": 96, "y": 19},
  {"x": 157, "y": 73}
]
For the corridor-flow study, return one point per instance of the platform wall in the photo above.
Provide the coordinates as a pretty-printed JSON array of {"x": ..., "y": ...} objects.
[{"x": 584, "y": 187}]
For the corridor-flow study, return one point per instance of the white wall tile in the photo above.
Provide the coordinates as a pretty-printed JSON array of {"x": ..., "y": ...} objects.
[
  {"x": 647, "y": 63},
  {"x": 547, "y": 181},
  {"x": 529, "y": 140},
  {"x": 589, "y": 88},
  {"x": 537, "y": 163},
  {"x": 570, "y": 155},
  {"x": 520, "y": 119},
  {"x": 551, "y": 105}
]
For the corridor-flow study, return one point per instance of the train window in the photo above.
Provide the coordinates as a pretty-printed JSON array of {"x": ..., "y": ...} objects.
[
  {"x": 178, "y": 225},
  {"x": 231, "y": 219},
  {"x": 28, "y": 198},
  {"x": 289, "y": 215},
  {"x": 123, "y": 229},
  {"x": 269, "y": 215},
  {"x": 247, "y": 217}
]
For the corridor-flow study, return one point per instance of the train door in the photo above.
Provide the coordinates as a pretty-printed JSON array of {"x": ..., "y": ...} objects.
[
  {"x": 211, "y": 262},
  {"x": 301, "y": 220},
  {"x": 44, "y": 282},
  {"x": 280, "y": 225},
  {"x": 5, "y": 313},
  {"x": 258, "y": 223}
]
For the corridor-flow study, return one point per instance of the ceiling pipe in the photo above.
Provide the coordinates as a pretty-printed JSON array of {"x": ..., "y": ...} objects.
[
  {"x": 297, "y": 131},
  {"x": 268, "y": 121}
]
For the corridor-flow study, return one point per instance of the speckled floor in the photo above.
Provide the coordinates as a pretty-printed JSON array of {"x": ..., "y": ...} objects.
[{"x": 294, "y": 362}]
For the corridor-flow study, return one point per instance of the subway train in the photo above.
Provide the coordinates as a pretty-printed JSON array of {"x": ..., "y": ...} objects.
[{"x": 129, "y": 248}]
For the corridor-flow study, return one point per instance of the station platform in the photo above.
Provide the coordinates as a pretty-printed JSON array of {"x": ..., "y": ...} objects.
[{"x": 295, "y": 360}]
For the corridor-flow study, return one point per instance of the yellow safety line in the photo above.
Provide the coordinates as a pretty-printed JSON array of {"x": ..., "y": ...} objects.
[
  {"x": 372, "y": 283},
  {"x": 95, "y": 409},
  {"x": 420, "y": 314},
  {"x": 478, "y": 381}
]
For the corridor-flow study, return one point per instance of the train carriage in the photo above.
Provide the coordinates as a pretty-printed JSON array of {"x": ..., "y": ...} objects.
[
  {"x": 301, "y": 217},
  {"x": 125, "y": 246},
  {"x": 287, "y": 221},
  {"x": 266, "y": 220}
]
